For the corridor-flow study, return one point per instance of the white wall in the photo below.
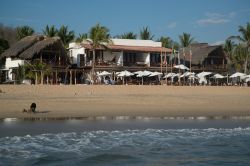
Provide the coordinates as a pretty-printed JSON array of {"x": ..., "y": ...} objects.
[
  {"x": 74, "y": 50},
  {"x": 9, "y": 64},
  {"x": 133, "y": 42},
  {"x": 147, "y": 60}
]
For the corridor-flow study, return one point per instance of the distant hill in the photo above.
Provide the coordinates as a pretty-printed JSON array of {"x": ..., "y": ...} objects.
[{"x": 8, "y": 33}]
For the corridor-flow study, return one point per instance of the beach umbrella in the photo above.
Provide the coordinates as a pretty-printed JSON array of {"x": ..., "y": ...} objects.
[
  {"x": 186, "y": 74},
  {"x": 218, "y": 76},
  {"x": 237, "y": 74},
  {"x": 158, "y": 74},
  {"x": 104, "y": 73},
  {"x": 247, "y": 79},
  {"x": 125, "y": 73},
  {"x": 203, "y": 74},
  {"x": 143, "y": 74},
  {"x": 137, "y": 72},
  {"x": 155, "y": 74},
  {"x": 182, "y": 67},
  {"x": 169, "y": 75}
]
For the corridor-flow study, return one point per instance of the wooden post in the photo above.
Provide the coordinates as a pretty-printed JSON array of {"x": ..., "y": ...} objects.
[
  {"x": 56, "y": 77},
  {"x": 75, "y": 77},
  {"x": 41, "y": 77},
  {"x": 161, "y": 60},
  {"x": 70, "y": 77}
]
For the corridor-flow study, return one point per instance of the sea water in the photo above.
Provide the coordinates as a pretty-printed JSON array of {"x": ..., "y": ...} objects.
[{"x": 116, "y": 142}]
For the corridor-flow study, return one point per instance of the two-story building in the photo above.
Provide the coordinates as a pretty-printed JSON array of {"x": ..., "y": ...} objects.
[
  {"x": 121, "y": 54},
  {"x": 48, "y": 50}
]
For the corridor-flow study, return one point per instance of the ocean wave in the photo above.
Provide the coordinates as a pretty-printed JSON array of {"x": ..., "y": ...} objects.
[{"x": 117, "y": 145}]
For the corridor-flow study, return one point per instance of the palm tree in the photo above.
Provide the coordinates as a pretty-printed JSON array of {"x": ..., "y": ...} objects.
[
  {"x": 228, "y": 49},
  {"x": 145, "y": 34},
  {"x": 24, "y": 31},
  {"x": 240, "y": 56},
  {"x": 36, "y": 70},
  {"x": 244, "y": 39},
  {"x": 185, "y": 39},
  {"x": 65, "y": 35},
  {"x": 128, "y": 35},
  {"x": 166, "y": 42},
  {"x": 81, "y": 37},
  {"x": 99, "y": 35},
  {"x": 50, "y": 31}
]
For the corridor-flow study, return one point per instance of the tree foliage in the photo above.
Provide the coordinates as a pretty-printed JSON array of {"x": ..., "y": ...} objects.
[
  {"x": 4, "y": 45},
  {"x": 24, "y": 31},
  {"x": 81, "y": 37},
  {"x": 128, "y": 35},
  {"x": 50, "y": 31},
  {"x": 99, "y": 35},
  {"x": 65, "y": 35},
  {"x": 145, "y": 34},
  {"x": 186, "y": 39}
]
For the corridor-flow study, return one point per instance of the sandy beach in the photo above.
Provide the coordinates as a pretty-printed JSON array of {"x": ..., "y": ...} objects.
[{"x": 60, "y": 101}]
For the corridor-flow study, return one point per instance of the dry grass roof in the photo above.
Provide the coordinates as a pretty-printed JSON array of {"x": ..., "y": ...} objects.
[
  {"x": 29, "y": 46},
  {"x": 200, "y": 51}
]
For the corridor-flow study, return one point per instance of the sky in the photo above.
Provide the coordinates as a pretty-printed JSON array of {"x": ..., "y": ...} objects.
[{"x": 210, "y": 21}]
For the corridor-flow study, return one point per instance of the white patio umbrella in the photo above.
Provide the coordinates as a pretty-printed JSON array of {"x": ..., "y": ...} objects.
[
  {"x": 169, "y": 75},
  {"x": 143, "y": 74},
  {"x": 181, "y": 66},
  {"x": 203, "y": 74},
  {"x": 218, "y": 76},
  {"x": 104, "y": 73},
  {"x": 125, "y": 73},
  {"x": 186, "y": 74},
  {"x": 237, "y": 74},
  {"x": 155, "y": 74},
  {"x": 158, "y": 74},
  {"x": 247, "y": 79}
]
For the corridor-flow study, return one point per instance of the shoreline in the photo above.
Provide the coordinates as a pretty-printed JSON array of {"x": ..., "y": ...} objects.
[
  {"x": 93, "y": 118},
  {"x": 82, "y": 101}
]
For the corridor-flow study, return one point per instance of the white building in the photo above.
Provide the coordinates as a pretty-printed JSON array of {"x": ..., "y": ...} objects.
[
  {"x": 10, "y": 65},
  {"x": 122, "y": 52}
]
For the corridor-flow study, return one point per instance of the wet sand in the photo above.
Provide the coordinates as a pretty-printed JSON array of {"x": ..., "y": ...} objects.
[{"x": 60, "y": 101}]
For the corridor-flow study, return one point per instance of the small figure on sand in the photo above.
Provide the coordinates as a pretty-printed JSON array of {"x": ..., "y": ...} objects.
[{"x": 32, "y": 108}]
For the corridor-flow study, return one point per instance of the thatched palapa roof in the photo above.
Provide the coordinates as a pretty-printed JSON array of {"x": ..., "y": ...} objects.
[
  {"x": 29, "y": 46},
  {"x": 200, "y": 51}
]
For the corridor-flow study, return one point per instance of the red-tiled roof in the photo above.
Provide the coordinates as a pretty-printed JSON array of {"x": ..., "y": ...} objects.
[
  {"x": 131, "y": 48},
  {"x": 139, "y": 48}
]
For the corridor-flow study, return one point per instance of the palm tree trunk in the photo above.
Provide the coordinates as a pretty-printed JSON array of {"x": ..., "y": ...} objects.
[
  {"x": 245, "y": 70},
  {"x": 36, "y": 78},
  {"x": 42, "y": 77}
]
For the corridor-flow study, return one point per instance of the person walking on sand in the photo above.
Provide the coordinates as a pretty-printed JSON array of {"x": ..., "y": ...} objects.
[{"x": 32, "y": 108}]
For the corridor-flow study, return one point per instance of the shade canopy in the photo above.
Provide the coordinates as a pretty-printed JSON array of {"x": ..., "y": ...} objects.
[
  {"x": 182, "y": 67},
  {"x": 125, "y": 73},
  {"x": 155, "y": 74},
  {"x": 143, "y": 73},
  {"x": 203, "y": 74},
  {"x": 104, "y": 73},
  {"x": 237, "y": 74},
  {"x": 218, "y": 76}
]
